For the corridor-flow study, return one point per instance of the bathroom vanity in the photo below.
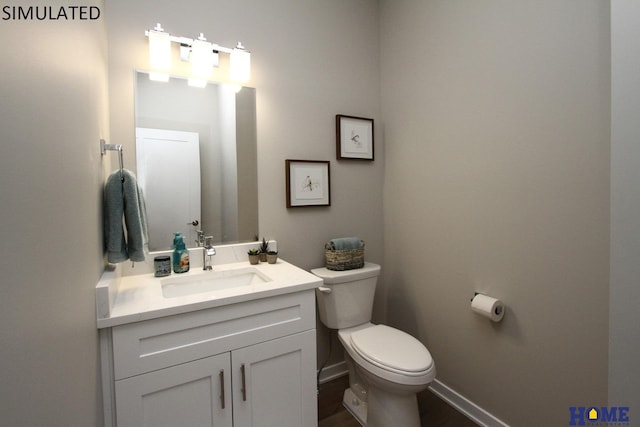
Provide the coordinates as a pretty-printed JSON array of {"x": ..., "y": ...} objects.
[{"x": 232, "y": 347}]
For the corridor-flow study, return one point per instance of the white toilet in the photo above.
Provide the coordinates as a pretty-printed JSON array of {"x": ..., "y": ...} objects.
[{"x": 387, "y": 367}]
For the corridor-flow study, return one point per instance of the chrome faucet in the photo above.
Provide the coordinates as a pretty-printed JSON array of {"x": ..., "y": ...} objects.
[{"x": 207, "y": 249}]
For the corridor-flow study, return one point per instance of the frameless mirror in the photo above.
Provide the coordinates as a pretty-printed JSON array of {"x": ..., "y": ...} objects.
[{"x": 196, "y": 160}]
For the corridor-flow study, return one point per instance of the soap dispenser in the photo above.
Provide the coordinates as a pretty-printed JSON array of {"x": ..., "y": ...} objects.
[{"x": 180, "y": 254}]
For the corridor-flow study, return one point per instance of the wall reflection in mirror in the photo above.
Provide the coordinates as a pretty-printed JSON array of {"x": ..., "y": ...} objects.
[{"x": 196, "y": 160}]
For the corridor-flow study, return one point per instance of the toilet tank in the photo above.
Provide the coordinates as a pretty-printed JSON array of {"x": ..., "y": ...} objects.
[{"x": 346, "y": 297}]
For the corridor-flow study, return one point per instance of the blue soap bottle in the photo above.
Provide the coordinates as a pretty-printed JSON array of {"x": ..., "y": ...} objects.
[{"x": 180, "y": 254}]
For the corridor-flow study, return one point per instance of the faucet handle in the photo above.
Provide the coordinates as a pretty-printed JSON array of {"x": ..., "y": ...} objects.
[
  {"x": 199, "y": 237},
  {"x": 209, "y": 250}
]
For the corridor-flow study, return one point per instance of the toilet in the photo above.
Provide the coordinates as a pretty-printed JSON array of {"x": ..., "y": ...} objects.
[{"x": 387, "y": 367}]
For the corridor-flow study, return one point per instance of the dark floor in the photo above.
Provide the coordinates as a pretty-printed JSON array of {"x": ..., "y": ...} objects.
[{"x": 433, "y": 411}]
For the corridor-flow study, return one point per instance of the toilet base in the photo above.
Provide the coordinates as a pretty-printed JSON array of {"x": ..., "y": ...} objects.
[
  {"x": 355, "y": 406},
  {"x": 404, "y": 412}
]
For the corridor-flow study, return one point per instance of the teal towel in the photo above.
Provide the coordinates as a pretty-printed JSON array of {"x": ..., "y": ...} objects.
[
  {"x": 124, "y": 210},
  {"x": 344, "y": 243}
]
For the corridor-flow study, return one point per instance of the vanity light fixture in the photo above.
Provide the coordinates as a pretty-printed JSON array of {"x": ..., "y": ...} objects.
[{"x": 202, "y": 54}]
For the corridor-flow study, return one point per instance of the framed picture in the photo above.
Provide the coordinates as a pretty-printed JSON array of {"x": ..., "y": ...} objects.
[
  {"x": 354, "y": 138},
  {"x": 308, "y": 183}
]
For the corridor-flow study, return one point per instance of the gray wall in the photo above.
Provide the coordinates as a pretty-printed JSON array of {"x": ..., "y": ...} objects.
[
  {"x": 497, "y": 181},
  {"x": 53, "y": 112},
  {"x": 624, "y": 335}
]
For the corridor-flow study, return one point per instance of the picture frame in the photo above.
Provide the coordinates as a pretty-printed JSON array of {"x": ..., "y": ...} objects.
[
  {"x": 354, "y": 138},
  {"x": 308, "y": 183}
]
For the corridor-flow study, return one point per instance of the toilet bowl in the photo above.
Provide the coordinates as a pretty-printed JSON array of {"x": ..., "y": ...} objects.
[
  {"x": 388, "y": 353},
  {"x": 391, "y": 367},
  {"x": 387, "y": 367}
]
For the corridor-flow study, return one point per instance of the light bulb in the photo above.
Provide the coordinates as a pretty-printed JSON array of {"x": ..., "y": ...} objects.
[
  {"x": 240, "y": 64},
  {"x": 159, "y": 54},
  {"x": 202, "y": 58}
]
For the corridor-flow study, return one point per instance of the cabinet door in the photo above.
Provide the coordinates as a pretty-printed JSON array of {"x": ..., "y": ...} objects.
[
  {"x": 274, "y": 383},
  {"x": 194, "y": 394}
]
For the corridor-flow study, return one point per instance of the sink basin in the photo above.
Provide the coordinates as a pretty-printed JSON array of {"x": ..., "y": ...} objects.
[{"x": 211, "y": 281}]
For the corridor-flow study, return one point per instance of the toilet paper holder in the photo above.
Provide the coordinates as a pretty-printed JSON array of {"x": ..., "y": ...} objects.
[{"x": 488, "y": 307}]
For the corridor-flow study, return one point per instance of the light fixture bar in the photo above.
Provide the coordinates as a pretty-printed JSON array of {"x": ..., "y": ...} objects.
[{"x": 189, "y": 41}]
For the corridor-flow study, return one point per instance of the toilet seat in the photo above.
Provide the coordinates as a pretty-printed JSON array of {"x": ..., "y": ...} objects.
[{"x": 392, "y": 350}]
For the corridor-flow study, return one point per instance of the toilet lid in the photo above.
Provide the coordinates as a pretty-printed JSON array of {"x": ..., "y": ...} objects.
[{"x": 391, "y": 349}]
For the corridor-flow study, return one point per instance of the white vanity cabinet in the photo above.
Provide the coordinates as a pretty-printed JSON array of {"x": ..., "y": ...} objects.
[
  {"x": 196, "y": 393},
  {"x": 247, "y": 364}
]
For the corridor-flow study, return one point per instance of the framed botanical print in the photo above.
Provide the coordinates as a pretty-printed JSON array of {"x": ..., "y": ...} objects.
[
  {"x": 308, "y": 183},
  {"x": 354, "y": 138}
]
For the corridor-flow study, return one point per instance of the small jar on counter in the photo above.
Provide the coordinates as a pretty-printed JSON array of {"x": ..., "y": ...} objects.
[{"x": 162, "y": 265}]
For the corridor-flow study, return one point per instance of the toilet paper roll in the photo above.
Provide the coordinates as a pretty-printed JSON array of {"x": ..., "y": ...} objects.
[{"x": 488, "y": 307}]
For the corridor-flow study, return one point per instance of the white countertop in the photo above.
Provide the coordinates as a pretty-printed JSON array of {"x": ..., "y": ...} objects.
[{"x": 134, "y": 298}]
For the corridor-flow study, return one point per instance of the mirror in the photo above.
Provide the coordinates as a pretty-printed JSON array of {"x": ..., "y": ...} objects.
[{"x": 196, "y": 160}]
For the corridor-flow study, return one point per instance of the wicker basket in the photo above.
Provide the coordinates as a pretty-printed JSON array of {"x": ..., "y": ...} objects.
[{"x": 340, "y": 260}]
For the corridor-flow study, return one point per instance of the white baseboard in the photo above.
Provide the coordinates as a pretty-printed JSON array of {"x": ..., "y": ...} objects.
[
  {"x": 465, "y": 406},
  {"x": 443, "y": 391},
  {"x": 334, "y": 371}
]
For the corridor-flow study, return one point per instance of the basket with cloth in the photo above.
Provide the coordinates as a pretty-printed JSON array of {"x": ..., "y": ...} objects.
[{"x": 345, "y": 253}]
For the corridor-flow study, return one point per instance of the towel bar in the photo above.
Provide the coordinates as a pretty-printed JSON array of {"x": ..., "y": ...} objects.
[{"x": 104, "y": 147}]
